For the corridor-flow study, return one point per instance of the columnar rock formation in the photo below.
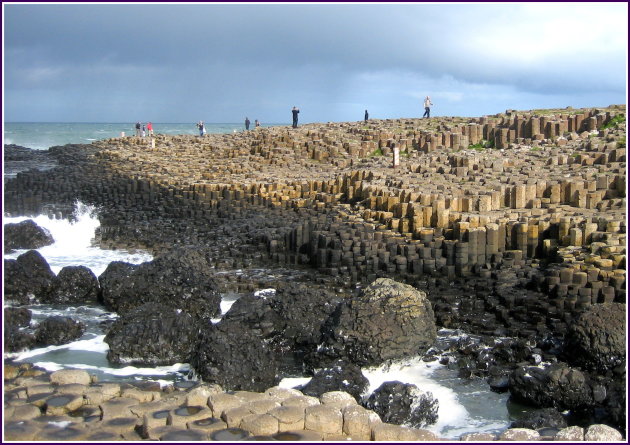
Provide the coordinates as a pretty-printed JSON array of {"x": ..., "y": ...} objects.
[{"x": 540, "y": 192}]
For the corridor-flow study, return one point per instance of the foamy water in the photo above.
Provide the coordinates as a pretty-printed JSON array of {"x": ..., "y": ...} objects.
[{"x": 74, "y": 245}]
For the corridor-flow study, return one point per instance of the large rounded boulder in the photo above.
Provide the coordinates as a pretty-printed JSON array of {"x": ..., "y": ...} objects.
[
  {"x": 558, "y": 386},
  {"x": 152, "y": 335},
  {"x": 26, "y": 235},
  {"x": 27, "y": 279},
  {"x": 58, "y": 330},
  {"x": 181, "y": 278},
  {"x": 73, "y": 285},
  {"x": 596, "y": 340},
  {"x": 390, "y": 320},
  {"x": 233, "y": 356},
  {"x": 403, "y": 403}
]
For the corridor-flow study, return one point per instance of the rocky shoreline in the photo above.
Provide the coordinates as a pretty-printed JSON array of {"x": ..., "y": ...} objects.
[
  {"x": 510, "y": 226},
  {"x": 69, "y": 405}
]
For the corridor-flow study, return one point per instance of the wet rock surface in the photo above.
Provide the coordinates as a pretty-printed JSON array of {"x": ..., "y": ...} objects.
[
  {"x": 402, "y": 403},
  {"x": 389, "y": 320},
  {"x": 234, "y": 357},
  {"x": 25, "y": 235},
  {"x": 342, "y": 376},
  {"x": 73, "y": 285},
  {"x": 152, "y": 335},
  {"x": 181, "y": 278},
  {"x": 58, "y": 330},
  {"x": 28, "y": 278},
  {"x": 597, "y": 339}
]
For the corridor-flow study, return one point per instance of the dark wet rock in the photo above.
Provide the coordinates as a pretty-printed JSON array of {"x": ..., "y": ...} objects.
[
  {"x": 28, "y": 278},
  {"x": 25, "y": 235},
  {"x": 73, "y": 285},
  {"x": 389, "y": 320},
  {"x": 402, "y": 403},
  {"x": 235, "y": 357},
  {"x": 58, "y": 331},
  {"x": 342, "y": 376},
  {"x": 16, "y": 339},
  {"x": 114, "y": 280},
  {"x": 152, "y": 335},
  {"x": 17, "y": 316},
  {"x": 557, "y": 386},
  {"x": 181, "y": 278},
  {"x": 596, "y": 340},
  {"x": 291, "y": 319},
  {"x": 541, "y": 418}
]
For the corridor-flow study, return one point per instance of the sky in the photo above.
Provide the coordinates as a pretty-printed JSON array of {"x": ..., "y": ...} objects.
[{"x": 224, "y": 62}]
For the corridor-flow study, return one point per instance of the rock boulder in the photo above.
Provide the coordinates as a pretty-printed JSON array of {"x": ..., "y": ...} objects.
[
  {"x": 58, "y": 331},
  {"x": 389, "y": 320},
  {"x": 73, "y": 285},
  {"x": 596, "y": 340},
  {"x": 26, "y": 235},
  {"x": 152, "y": 335},
  {"x": 403, "y": 403},
  {"x": 181, "y": 278},
  {"x": 28, "y": 278}
]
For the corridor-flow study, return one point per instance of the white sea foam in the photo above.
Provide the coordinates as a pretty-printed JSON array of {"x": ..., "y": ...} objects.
[
  {"x": 74, "y": 243},
  {"x": 293, "y": 382},
  {"x": 265, "y": 293},
  {"x": 95, "y": 344},
  {"x": 450, "y": 411}
]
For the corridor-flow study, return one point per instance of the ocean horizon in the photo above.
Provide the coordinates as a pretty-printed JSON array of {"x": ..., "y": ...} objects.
[{"x": 43, "y": 135}]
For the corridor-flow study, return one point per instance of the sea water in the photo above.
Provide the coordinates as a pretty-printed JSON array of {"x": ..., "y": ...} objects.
[{"x": 41, "y": 136}]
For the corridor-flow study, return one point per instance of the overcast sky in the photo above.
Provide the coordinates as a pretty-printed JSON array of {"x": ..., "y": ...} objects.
[{"x": 220, "y": 63}]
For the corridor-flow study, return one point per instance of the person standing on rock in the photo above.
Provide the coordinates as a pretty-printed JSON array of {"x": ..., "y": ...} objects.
[
  {"x": 144, "y": 132},
  {"x": 295, "y": 112},
  {"x": 246, "y": 123},
  {"x": 150, "y": 128},
  {"x": 366, "y": 116},
  {"x": 202, "y": 128},
  {"x": 137, "y": 128},
  {"x": 256, "y": 123},
  {"x": 427, "y": 105}
]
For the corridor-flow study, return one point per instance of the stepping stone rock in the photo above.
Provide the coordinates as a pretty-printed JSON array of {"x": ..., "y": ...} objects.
[
  {"x": 519, "y": 435},
  {"x": 323, "y": 419},
  {"x": 260, "y": 424},
  {"x": 66, "y": 376},
  {"x": 181, "y": 416},
  {"x": 289, "y": 418},
  {"x": 58, "y": 405},
  {"x": 602, "y": 433}
]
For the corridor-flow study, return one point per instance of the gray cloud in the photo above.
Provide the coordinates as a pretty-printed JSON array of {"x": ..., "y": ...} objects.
[{"x": 220, "y": 62}]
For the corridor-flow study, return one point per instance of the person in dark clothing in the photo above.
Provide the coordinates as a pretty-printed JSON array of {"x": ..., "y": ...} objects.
[
  {"x": 295, "y": 112},
  {"x": 138, "y": 128},
  {"x": 246, "y": 123},
  {"x": 366, "y": 116}
]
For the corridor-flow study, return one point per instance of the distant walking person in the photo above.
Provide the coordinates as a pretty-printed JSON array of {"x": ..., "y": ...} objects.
[
  {"x": 150, "y": 128},
  {"x": 202, "y": 128},
  {"x": 144, "y": 131},
  {"x": 427, "y": 105},
  {"x": 256, "y": 123},
  {"x": 138, "y": 128},
  {"x": 246, "y": 123},
  {"x": 295, "y": 112},
  {"x": 366, "y": 116}
]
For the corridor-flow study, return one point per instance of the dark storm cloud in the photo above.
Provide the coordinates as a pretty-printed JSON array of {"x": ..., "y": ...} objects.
[{"x": 177, "y": 61}]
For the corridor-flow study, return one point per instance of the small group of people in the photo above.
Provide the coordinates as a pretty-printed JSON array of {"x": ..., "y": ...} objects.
[
  {"x": 141, "y": 129},
  {"x": 247, "y": 122}
]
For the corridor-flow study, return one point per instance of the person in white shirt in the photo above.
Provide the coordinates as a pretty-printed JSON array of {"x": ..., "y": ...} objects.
[{"x": 427, "y": 105}]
